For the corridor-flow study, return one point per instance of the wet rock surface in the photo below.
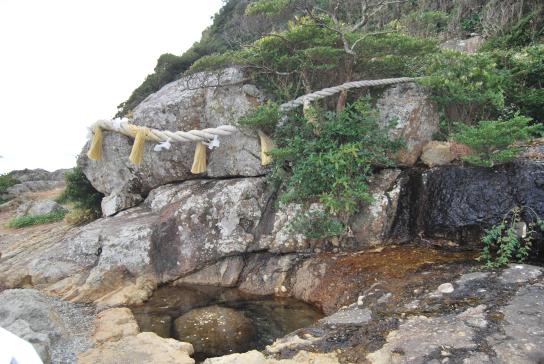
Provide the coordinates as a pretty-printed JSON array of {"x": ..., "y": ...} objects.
[
  {"x": 459, "y": 202},
  {"x": 215, "y": 330}
]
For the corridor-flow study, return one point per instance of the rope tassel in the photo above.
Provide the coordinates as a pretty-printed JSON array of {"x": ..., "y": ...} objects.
[
  {"x": 199, "y": 161},
  {"x": 266, "y": 146},
  {"x": 95, "y": 151},
  {"x": 137, "y": 152}
]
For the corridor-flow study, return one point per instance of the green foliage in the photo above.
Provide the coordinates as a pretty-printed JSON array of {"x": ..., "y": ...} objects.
[
  {"x": 528, "y": 30},
  {"x": 332, "y": 166},
  {"x": 471, "y": 23},
  {"x": 426, "y": 23},
  {"x": 472, "y": 82},
  {"x": 267, "y": 7},
  {"x": 6, "y": 181},
  {"x": 79, "y": 216},
  {"x": 317, "y": 225},
  {"x": 28, "y": 220},
  {"x": 214, "y": 62},
  {"x": 505, "y": 242},
  {"x": 525, "y": 91},
  {"x": 491, "y": 141},
  {"x": 80, "y": 191},
  {"x": 309, "y": 56},
  {"x": 265, "y": 116}
]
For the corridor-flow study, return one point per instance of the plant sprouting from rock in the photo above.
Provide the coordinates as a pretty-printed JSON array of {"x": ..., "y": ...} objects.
[{"x": 511, "y": 239}]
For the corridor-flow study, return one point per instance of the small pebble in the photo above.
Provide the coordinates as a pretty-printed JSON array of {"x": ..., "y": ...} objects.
[{"x": 445, "y": 288}]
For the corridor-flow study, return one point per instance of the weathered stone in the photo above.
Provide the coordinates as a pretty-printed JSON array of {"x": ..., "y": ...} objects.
[
  {"x": 58, "y": 330},
  {"x": 469, "y": 45},
  {"x": 216, "y": 220},
  {"x": 25, "y": 175},
  {"x": 224, "y": 273},
  {"x": 255, "y": 357},
  {"x": 114, "y": 324},
  {"x": 40, "y": 207},
  {"x": 523, "y": 327},
  {"x": 144, "y": 348},
  {"x": 419, "y": 335},
  {"x": 116, "y": 202},
  {"x": 348, "y": 316},
  {"x": 520, "y": 273},
  {"x": 215, "y": 330},
  {"x": 251, "y": 357},
  {"x": 266, "y": 274},
  {"x": 371, "y": 225},
  {"x": 32, "y": 186},
  {"x": 416, "y": 115},
  {"x": 445, "y": 288},
  {"x": 437, "y": 153},
  {"x": 192, "y": 102}
]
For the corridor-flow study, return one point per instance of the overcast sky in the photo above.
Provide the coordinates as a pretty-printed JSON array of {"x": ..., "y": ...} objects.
[{"x": 67, "y": 63}]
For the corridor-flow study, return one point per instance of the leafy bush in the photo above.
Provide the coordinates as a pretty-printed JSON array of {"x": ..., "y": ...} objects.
[
  {"x": 492, "y": 141},
  {"x": 426, "y": 23},
  {"x": 317, "y": 225},
  {"x": 265, "y": 116},
  {"x": 6, "y": 181},
  {"x": 332, "y": 166},
  {"x": 27, "y": 220},
  {"x": 505, "y": 242},
  {"x": 526, "y": 71},
  {"x": 81, "y": 192},
  {"x": 267, "y": 7},
  {"x": 470, "y": 82}
]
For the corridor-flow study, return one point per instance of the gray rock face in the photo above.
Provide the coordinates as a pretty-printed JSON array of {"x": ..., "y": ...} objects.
[
  {"x": 224, "y": 273},
  {"x": 57, "y": 329},
  {"x": 189, "y": 103},
  {"x": 215, "y": 330},
  {"x": 32, "y": 186},
  {"x": 212, "y": 220},
  {"x": 40, "y": 207},
  {"x": 25, "y": 175},
  {"x": 417, "y": 118},
  {"x": 524, "y": 328},
  {"x": 371, "y": 225},
  {"x": 116, "y": 202},
  {"x": 469, "y": 45}
]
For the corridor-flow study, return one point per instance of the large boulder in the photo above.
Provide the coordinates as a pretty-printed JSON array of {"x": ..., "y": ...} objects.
[
  {"x": 209, "y": 221},
  {"x": 58, "y": 330},
  {"x": 215, "y": 330},
  {"x": 416, "y": 115},
  {"x": 199, "y": 101}
]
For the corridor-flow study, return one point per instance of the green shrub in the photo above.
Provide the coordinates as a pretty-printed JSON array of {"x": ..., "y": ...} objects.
[
  {"x": 526, "y": 71},
  {"x": 79, "y": 216},
  {"x": 81, "y": 192},
  {"x": 317, "y": 225},
  {"x": 504, "y": 242},
  {"x": 6, "y": 181},
  {"x": 492, "y": 141},
  {"x": 27, "y": 220},
  {"x": 425, "y": 23},
  {"x": 267, "y": 7},
  {"x": 470, "y": 82},
  {"x": 265, "y": 116},
  {"x": 332, "y": 166}
]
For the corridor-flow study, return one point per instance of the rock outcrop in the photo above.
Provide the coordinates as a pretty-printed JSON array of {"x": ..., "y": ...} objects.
[
  {"x": 199, "y": 101},
  {"x": 416, "y": 119},
  {"x": 58, "y": 330}
]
